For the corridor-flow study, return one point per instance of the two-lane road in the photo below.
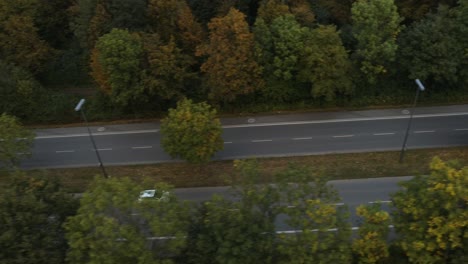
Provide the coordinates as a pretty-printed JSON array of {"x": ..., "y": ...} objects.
[{"x": 140, "y": 143}]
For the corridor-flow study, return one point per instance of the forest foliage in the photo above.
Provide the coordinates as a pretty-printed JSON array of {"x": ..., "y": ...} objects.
[{"x": 138, "y": 58}]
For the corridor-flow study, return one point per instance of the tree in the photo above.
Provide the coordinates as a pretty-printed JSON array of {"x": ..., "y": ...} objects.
[
  {"x": 280, "y": 46},
  {"x": 169, "y": 69},
  {"x": 340, "y": 10},
  {"x": 437, "y": 231},
  {"x": 230, "y": 67},
  {"x": 415, "y": 10},
  {"x": 113, "y": 226},
  {"x": 372, "y": 246},
  {"x": 325, "y": 64},
  {"x": 19, "y": 91},
  {"x": 117, "y": 60},
  {"x": 191, "y": 132},
  {"x": 434, "y": 41},
  {"x": 20, "y": 42},
  {"x": 15, "y": 141},
  {"x": 32, "y": 211},
  {"x": 174, "y": 19},
  {"x": 312, "y": 210},
  {"x": 376, "y": 25}
]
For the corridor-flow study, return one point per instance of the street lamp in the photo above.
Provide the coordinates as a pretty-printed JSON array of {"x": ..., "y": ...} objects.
[
  {"x": 420, "y": 88},
  {"x": 79, "y": 107}
]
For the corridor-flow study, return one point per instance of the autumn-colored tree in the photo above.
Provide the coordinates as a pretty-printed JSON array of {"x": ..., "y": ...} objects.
[
  {"x": 271, "y": 9},
  {"x": 372, "y": 246},
  {"x": 431, "y": 215},
  {"x": 116, "y": 65},
  {"x": 230, "y": 66},
  {"x": 169, "y": 69},
  {"x": 376, "y": 24},
  {"x": 325, "y": 64},
  {"x": 20, "y": 42},
  {"x": 191, "y": 132}
]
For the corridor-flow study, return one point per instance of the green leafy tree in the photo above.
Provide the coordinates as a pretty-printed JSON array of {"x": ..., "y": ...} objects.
[
  {"x": 118, "y": 59},
  {"x": 192, "y": 132},
  {"x": 312, "y": 211},
  {"x": 113, "y": 226},
  {"x": 433, "y": 49},
  {"x": 15, "y": 141},
  {"x": 19, "y": 91},
  {"x": 32, "y": 211},
  {"x": 437, "y": 231},
  {"x": 372, "y": 245},
  {"x": 325, "y": 64},
  {"x": 279, "y": 47},
  {"x": 230, "y": 68},
  {"x": 376, "y": 25}
]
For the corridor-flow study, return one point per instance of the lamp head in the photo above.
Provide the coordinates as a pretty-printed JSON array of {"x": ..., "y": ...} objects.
[
  {"x": 79, "y": 105},
  {"x": 420, "y": 85}
]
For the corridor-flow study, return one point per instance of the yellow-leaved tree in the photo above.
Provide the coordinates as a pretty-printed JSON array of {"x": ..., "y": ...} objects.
[
  {"x": 230, "y": 67},
  {"x": 431, "y": 215}
]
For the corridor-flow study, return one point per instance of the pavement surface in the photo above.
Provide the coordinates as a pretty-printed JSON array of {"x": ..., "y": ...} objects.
[
  {"x": 259, "y": 136},
  {"x": 352, "y": 192}
]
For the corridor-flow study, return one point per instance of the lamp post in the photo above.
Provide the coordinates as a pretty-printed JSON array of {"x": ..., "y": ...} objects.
[
  {"x": 420, "y": 88},
  {"x": 79, "y": 107}
]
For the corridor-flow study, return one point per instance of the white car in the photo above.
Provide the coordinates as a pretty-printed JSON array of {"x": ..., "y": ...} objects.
[{"x": 154, "y": 195}]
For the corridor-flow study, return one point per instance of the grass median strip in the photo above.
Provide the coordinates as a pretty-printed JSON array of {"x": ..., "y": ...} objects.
[{"x": 335, "y": 166}]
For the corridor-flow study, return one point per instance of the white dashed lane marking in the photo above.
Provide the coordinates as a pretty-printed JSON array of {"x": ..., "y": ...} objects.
[
  {"x": 64, "y": 151},
  {"x": 383, "y": 134},
  {"x": 228, "y": 142},
  {"x": 143, "y": 147},
  {"x": 424, "y": 131},
  {"x": 379, "y": 202},
  {"x": 302, "y": 138},
  {"x": 261, "y": 140},
  {"x": 461, "y": 129},
  {"x": 343, "y": 136},
  {"x": 104, "y": 149}
]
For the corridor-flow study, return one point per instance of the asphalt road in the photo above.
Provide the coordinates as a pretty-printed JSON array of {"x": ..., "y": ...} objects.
[
  {"x": 280, "y": 135},
  {"x": 352, "y": 192}
]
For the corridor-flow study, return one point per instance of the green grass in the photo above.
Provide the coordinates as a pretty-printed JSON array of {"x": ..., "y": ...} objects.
[{"x": 334, "y": 166}]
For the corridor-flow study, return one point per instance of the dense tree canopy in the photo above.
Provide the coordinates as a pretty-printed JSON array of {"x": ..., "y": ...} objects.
[
  {"x": 32, "y": 211},
  {"x": 113, "y": 226},
  {"x": 376, "y": 24},
  {"x": 116, "y": 64},
  {"x": 230, "y": 66},
  {"x": 192, "y": 132},
  {"x": 437, "y": 231},
  {"x": 297, "y": 59}
]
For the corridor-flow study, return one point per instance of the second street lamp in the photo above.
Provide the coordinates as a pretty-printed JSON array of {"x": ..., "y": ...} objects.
[
  {"x": 420, "y": 88},
  {"x": 79, "y": 108}
]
